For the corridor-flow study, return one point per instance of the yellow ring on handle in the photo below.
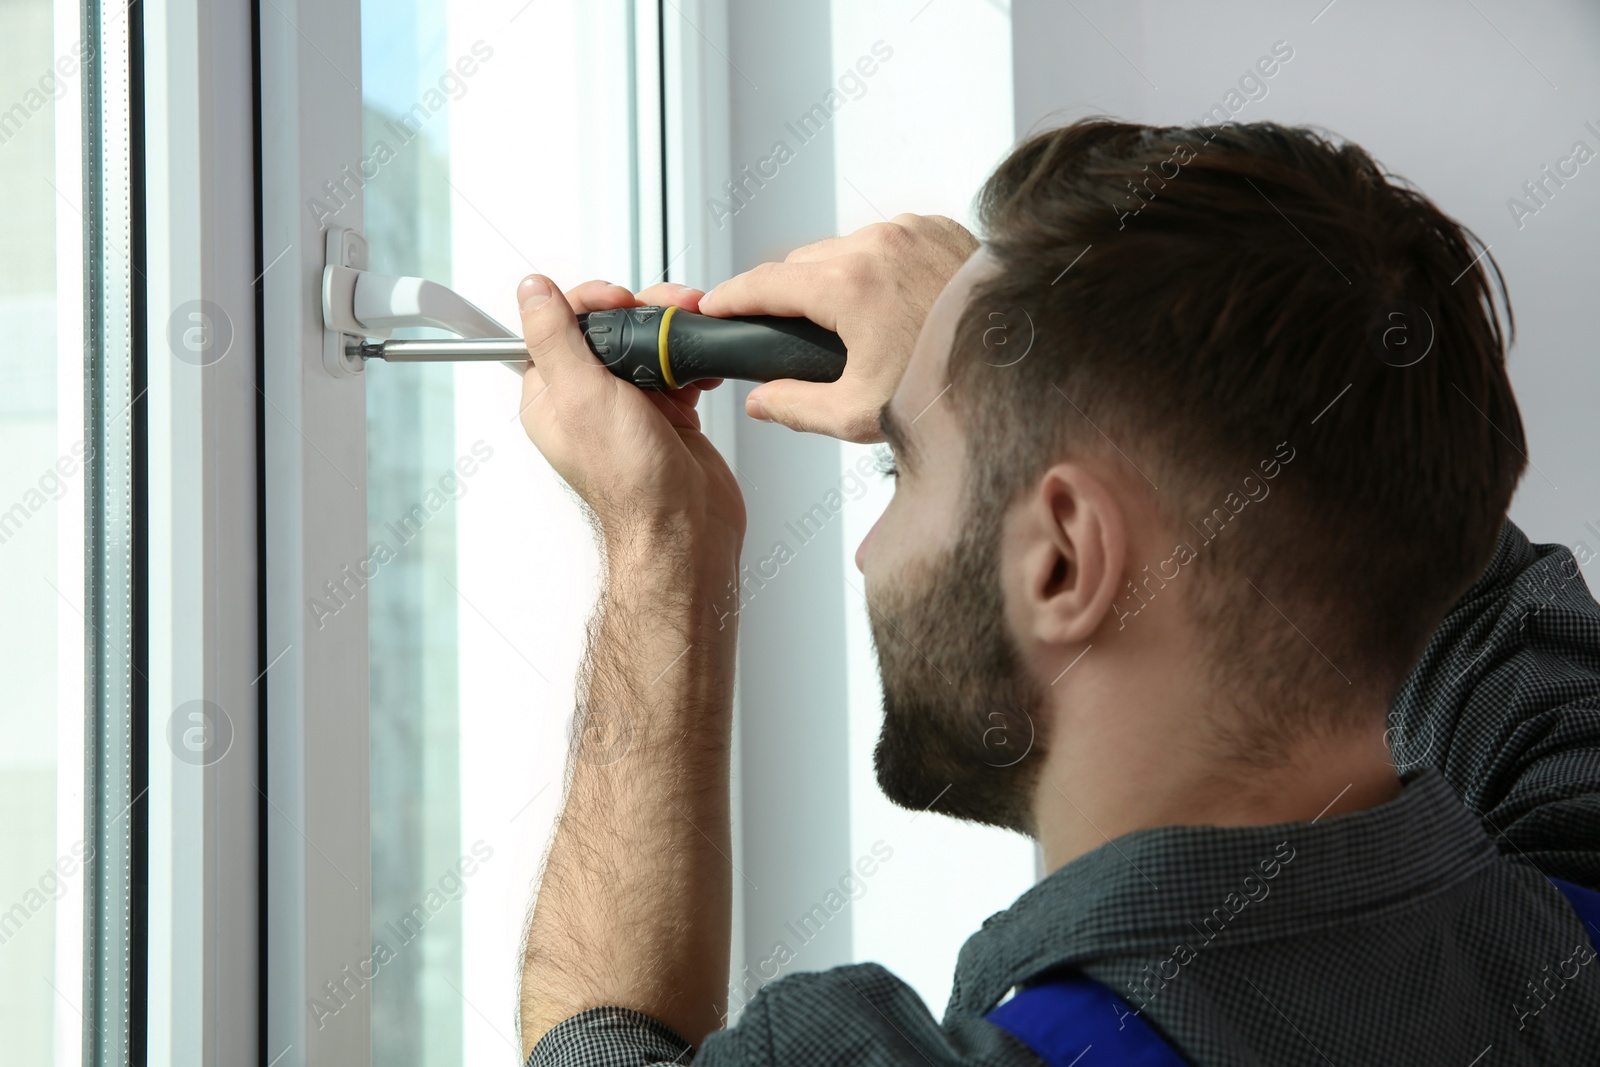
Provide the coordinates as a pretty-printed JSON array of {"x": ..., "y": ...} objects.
[{"x": 661, "y": 345}]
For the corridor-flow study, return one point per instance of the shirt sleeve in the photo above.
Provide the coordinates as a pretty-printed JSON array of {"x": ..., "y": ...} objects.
[
  {"x": 610, "y": 1037},
  {"x": 1505, "y": 702},
  {"x": 859, "y": 1014}
]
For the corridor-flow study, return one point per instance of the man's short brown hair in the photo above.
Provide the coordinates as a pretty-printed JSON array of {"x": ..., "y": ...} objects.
[{"x": 1206, "y": 300}]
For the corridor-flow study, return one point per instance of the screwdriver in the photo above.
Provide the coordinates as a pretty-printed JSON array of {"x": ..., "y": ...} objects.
[{"x": 664, "y": 347}]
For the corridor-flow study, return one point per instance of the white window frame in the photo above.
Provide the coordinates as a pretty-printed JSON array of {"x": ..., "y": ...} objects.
[
  {"x": 317, "y": 912},
  {"x": 318, "y": 880},
  {"x": 201, "y": 260}
]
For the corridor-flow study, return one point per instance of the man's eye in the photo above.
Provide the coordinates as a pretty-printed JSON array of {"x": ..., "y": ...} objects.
[{"x": 886, "y": 465}]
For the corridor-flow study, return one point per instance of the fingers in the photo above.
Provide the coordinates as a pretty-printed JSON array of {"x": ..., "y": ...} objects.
[
  {"x": 598, "y": 295},
  {"x": 811, "y": 407},
  {"x": 556, "y": 346},
  {"x": 555, "y": 343},
  {"x": 533, "y": 392},
  {"x": 809, "y": 289},
  {"x": 876, "y": 236},
  {"x": 601, "y": 295},
  {"x": 678, "y": 405},
  {"x": 873, "y": 288},
  {"x": 828, "y": 246},
  {"x": 671, "y": 294}
]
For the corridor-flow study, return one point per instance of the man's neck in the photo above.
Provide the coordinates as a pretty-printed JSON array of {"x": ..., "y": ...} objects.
[{"x": 1090, "y": 793}]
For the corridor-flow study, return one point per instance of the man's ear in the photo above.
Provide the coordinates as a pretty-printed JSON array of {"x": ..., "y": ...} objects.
[{"x": 1073, "y": 545}]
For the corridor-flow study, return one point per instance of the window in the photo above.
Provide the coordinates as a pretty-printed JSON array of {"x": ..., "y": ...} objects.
[
  {"x": 481, "y": 574},
  {"x": 71, "y": 775},
  {"x": 431, "y": 600}
]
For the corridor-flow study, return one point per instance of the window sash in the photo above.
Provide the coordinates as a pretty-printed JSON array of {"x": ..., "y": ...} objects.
[{"x": 198, "y": 986}]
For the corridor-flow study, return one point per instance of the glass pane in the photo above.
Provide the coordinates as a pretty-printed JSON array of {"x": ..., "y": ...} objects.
[
  {"x": 43, "y": 459},
  {"x": 481, "y": 573}
]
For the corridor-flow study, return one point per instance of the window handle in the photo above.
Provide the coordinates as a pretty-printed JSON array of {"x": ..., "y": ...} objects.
[{"x": 360, "y": 310}]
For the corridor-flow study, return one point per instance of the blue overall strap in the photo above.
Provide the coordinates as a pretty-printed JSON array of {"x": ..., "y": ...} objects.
[
  {"x": 1063, "y": 1018},
  {"x": 1586, "y": 902}
]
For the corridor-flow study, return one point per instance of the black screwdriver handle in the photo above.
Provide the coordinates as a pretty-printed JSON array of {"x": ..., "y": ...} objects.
[{"x": 668, "y": 348}]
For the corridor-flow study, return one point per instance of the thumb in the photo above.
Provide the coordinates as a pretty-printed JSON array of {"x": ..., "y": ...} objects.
[
  {"x": 798, "y": 405},
  {"x": 556, "y": 347}
]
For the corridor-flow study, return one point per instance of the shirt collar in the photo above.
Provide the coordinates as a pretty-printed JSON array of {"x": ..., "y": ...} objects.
[{"x": 1148, "y": 890}]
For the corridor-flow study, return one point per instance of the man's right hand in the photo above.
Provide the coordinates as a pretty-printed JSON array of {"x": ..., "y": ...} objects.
[{"x": 873, "y": 288}]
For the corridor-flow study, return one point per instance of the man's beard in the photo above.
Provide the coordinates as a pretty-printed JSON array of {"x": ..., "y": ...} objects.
[{"x": 963, "y": 733}]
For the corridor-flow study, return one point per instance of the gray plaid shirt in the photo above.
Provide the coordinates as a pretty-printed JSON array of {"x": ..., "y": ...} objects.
[{"x": 1411, "y": 932}]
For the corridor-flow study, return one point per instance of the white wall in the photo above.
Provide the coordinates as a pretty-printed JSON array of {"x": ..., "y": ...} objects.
[{"x": 1467, "y": 100}]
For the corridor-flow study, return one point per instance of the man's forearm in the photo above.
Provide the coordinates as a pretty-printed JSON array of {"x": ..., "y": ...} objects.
[{"x": 634, "y": 909}]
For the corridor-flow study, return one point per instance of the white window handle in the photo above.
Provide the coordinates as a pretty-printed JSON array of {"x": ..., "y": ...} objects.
[{"x": 358, "y": 306}]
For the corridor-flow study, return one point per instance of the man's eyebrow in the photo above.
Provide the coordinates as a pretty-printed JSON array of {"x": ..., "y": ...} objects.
[{"x": 898, "y": 436}]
